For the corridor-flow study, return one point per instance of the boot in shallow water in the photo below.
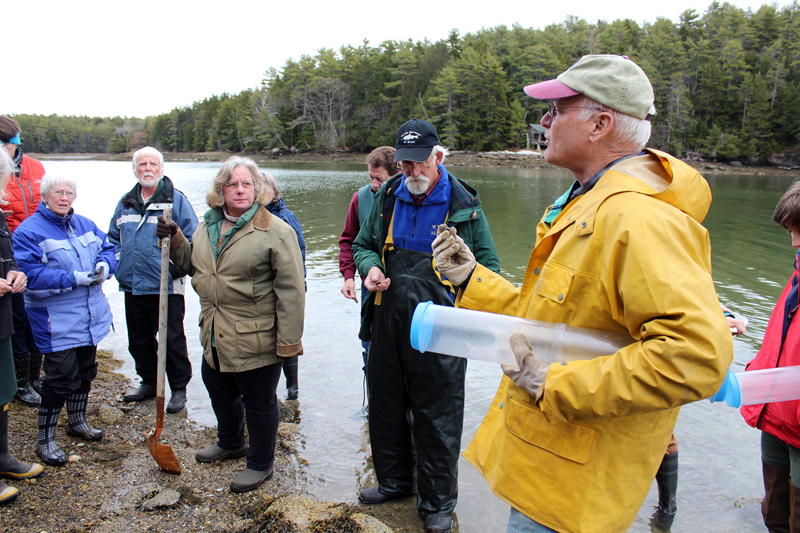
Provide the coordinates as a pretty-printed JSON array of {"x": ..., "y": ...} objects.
[
  {"x": 10, "y": 467},
  {"x": 76, "y": 411},
  {"x": 25, "y": 393},
  {"x": 667, "y": 481},
  {"x": 290, "y": 372}
]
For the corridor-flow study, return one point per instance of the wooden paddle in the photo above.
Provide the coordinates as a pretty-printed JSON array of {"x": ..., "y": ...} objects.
[{"x": 162, "y": 453}]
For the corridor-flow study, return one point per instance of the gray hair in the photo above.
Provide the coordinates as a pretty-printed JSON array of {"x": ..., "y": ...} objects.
[
  {"x": 214, "y": 196},
  {"x": 628, "y": 130},
  {"x": 6, "y": 170},
  {"x": 269, "y": 181},
  {"x": 439, "y": 149},
  {"x": 6, "y": 165},
  {"x": 148, "y": 151},
  {"x": 51, "y": 180}
]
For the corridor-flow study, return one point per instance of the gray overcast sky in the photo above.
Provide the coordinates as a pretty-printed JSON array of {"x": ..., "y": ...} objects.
[{"x": 106, "y": 58}]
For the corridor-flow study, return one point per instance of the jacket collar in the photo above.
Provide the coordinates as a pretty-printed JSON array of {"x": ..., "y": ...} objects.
[
  {"x": 262, "y": 218},
  {"x": 166, "y": 195},
  {"x": 465, "y": 202},
  {"x": 52, "y": 217},
  {"x": 277, "y": 206},
  {"x": 654, "y": 174}
]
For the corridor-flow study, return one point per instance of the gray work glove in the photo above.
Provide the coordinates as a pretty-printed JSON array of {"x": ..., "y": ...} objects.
[
  {"x": 100, "y": 273},
  {"x": 83, "y": 278},
  {"x": 530, "y": 373},
  {"x": 453, "y": 257}
]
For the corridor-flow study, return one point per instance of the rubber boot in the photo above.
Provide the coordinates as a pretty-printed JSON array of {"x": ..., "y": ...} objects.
[
  {"x": 46, "y": 447},
  {"x": 667, "y": 481},
  {"x": 36, "y": 371},
  {"x": 76, "y": 412},
  {"x": 7, "y": 494},
  {"x": 290, "y": 372},
  {"x": 776, "y": 507},
  {"x": 25, "y": 393},
  {"x": 9, "y": 466}
]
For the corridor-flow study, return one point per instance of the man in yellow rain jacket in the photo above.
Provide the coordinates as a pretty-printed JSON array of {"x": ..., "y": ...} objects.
[{"x": 573, "y": 447}]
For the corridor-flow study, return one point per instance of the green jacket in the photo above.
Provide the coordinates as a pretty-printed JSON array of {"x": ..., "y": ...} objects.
[
  {"x": 252, "y": 297},
  {"x": 465, "y": 214}
]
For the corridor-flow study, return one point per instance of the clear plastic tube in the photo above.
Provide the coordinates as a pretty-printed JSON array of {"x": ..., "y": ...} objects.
[
  {"x": 486, "y": 336},
  {"x": 760, "y": 386}
]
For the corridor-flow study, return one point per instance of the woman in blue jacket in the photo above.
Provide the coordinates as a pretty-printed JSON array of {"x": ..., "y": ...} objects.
[
  {"x": 277, "y": 207},
  {"x": 67, "y": 259}
]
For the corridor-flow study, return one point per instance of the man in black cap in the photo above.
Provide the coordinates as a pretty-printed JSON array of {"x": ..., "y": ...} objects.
[{"x": 393, "y": 254}]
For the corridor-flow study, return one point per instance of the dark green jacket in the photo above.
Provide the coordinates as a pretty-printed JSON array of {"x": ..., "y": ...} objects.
[{"x": 465, "y": 214}]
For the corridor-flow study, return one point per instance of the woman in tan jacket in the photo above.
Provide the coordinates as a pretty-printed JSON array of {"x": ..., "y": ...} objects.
[{"x": 247, "y": 269}]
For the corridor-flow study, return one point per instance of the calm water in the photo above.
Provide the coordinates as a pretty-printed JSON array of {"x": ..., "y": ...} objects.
[{"x": 720, "y": 474}]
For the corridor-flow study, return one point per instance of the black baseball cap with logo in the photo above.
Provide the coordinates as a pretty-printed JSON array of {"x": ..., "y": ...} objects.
[{"x": 415, "y": 141}]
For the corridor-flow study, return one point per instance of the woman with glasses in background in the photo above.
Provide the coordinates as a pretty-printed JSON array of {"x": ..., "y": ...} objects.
[{"x": 247, "y": 269}]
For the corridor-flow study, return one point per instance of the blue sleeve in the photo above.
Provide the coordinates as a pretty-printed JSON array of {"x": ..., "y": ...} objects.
[
  {"x": 113, "y": 228},
  {"x": 291, "y": 219},
  {"x": 29, "y": 256},
  {"x": 183, "y": 215},
  {"x": 107, "y": 253}
]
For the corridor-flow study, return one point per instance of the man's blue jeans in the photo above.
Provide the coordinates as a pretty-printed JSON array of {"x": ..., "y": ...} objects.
[{"x": 519, "y": 523}]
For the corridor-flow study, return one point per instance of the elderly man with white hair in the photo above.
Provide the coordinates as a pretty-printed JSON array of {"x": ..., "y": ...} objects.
[
  {"x": 574, "y": 446},
  {"x": 132, "y": 231}
]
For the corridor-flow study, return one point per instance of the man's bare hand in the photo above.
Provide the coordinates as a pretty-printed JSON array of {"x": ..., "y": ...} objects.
[
  {"x": 737, "y": 327},
  {"x": 349, "y": 289},
  {"x": 376, "y": 281}
]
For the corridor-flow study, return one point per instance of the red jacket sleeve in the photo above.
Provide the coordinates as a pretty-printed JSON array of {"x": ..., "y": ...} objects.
[{"x": 351, "y": 228}]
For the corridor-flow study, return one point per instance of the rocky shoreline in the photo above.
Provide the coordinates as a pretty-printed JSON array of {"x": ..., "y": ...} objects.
[
  {"x": 115, "y": 485},
  {"x": 506, "y": 159}
]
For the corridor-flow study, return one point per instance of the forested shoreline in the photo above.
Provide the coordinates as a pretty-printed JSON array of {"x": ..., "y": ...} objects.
[{"x": 726, "y": 81}]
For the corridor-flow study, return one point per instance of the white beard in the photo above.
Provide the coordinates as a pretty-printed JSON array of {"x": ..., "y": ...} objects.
[{"x": 419, "y": 185}]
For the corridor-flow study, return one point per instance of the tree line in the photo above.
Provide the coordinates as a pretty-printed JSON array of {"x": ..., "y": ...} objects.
[{"x": 726, "y": 85}]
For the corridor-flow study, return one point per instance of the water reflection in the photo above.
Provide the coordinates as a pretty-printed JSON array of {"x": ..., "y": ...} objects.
[{"x": 720, "y": 474}]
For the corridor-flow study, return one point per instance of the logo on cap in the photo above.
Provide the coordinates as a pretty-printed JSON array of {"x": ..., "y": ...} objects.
[{"x": 410, "y": 136}]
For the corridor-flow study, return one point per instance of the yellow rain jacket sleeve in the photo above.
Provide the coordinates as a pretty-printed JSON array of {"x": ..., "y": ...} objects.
[{"x": 631, "y": 256}]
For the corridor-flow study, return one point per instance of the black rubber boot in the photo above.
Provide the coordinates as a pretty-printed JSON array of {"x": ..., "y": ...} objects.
[
  {"x": 76, "y": 412},
  {"x": 10, "y": 467},
  {"x": 667, "y": 481},
  {"x": 36, "y": 371},
  {"x": 25, "y": 393},
  {"x": 46, "y": 447},
  {"x": 290, "y": 372}
]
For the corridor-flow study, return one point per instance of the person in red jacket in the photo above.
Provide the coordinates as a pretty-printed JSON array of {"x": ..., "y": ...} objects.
[
  {"x": 22, "y": 195},
  {"x": 780, "y": 422}
]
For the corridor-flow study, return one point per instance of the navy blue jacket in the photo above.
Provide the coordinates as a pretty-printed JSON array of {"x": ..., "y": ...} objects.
[{"x": 134, "y": 236}]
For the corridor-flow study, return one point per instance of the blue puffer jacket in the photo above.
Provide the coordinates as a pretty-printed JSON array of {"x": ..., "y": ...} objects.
[
  {"x": 138, "y": 254},
  {"x": 279, "y": 209},
  {"x": 49, "y": 248}
]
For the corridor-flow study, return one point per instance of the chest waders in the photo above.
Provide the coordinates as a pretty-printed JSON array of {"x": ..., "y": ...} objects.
[{"x": 430, "y": 385}]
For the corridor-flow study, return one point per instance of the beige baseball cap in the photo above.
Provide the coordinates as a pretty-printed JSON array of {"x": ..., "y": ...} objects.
[{"x": 614, "y": 81}]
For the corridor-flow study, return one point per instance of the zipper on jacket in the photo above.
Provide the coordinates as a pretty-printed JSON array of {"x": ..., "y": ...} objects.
[{"x": 24, "y": 199}]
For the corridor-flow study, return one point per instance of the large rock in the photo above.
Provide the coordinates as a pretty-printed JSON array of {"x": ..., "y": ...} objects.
[
  {"x": 110, "y": 416},
  {"x": 303, "y": 514}
]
